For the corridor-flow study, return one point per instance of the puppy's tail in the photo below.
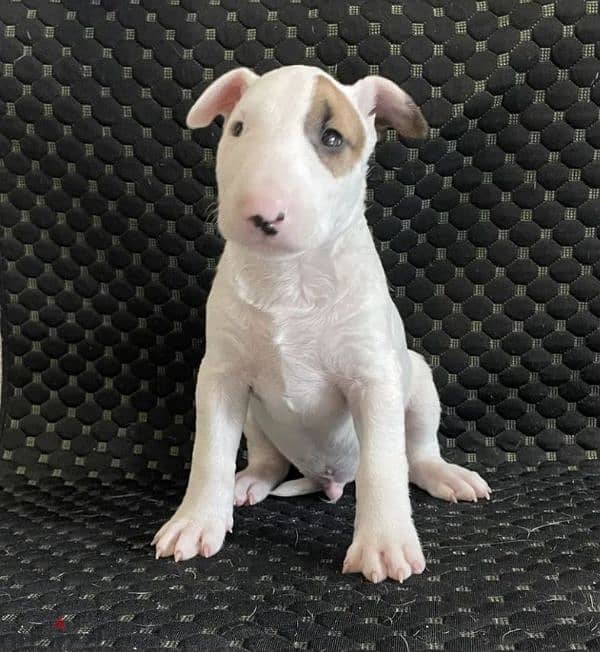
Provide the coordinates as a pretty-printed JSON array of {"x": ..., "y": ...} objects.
[{"x": 299, "y": 487}]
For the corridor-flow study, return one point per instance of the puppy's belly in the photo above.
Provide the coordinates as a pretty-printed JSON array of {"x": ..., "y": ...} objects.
[{"x": 314, "y": 432}]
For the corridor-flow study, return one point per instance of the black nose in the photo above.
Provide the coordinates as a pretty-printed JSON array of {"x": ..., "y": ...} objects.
[{"x": 266, "y": 225}]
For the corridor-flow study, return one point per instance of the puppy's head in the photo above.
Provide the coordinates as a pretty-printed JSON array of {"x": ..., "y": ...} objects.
[{"x": 293, "y": 156}]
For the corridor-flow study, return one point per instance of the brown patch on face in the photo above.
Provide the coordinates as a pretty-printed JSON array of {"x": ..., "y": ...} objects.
[{"x": 331, "y": 109}]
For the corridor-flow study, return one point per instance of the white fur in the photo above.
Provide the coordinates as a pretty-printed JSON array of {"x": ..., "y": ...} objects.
[{"x": 305, "y": 349}]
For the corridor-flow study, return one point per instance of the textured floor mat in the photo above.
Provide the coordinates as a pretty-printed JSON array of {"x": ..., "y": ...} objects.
[
  {"x": 519, "y": 572},
  {"x": 488, "y": 230}
]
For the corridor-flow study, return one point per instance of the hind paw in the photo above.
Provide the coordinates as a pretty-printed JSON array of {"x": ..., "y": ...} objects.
[
  {"x": 254, "y": 484},
  {"x": 448, "y": 481}
]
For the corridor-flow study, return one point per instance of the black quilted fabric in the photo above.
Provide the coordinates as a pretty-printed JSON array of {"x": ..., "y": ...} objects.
[
  {"x": 489, "y": 233},
  {"x": 521, "y": 572}
]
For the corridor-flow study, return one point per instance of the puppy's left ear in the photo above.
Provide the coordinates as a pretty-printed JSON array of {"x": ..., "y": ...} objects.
[
  {"x": 220, "y": 97},
  {"x": 391, "y": 106}
]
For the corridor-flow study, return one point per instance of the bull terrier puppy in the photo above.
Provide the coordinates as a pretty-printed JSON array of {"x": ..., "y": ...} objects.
[{"x": 305, "y": 350}]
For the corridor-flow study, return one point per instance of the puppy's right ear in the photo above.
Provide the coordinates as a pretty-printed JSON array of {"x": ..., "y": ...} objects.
[{"x": 220, "y": 97}]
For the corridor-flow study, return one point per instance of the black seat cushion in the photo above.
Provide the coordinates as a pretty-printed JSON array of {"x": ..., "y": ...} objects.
[{"x": 522, "y": 571}]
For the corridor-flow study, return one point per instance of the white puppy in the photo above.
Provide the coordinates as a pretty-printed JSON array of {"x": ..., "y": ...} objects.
[{"x": 305, "y": 350}]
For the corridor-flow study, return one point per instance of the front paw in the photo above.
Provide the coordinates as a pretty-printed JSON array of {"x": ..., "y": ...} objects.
[
  {"x": 192, "y": 532},
  {"x": 395, "y": 554}
]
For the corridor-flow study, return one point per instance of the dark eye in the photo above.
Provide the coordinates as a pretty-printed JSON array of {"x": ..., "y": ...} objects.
[
  {"x": 332, "y": 138},
  {"x": 237, "y": 128}
]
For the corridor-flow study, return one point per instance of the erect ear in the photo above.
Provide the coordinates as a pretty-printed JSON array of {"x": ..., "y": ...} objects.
[
  {"x": 391, "y": 106},
  {"x": 220, "y": 97}
]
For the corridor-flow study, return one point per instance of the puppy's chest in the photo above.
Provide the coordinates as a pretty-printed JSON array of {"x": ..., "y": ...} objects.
[{"x": 288, "y": 374}]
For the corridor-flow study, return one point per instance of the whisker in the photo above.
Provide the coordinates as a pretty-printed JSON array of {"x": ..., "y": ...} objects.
[{"x": 212, "y": 212}]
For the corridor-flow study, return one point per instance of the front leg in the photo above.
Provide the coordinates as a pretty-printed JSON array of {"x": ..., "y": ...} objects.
[
  {"x": 206, "y": 511},
  {"x": 385, "y": 542}
]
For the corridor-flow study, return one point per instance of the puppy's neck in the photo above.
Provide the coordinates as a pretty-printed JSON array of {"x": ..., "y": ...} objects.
[{"x": 304, "y": 281}]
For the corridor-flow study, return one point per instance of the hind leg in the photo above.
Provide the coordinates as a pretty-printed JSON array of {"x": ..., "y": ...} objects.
[
  {"x": 426, "y": 467},
  {"x": 267, "y": 467}
]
